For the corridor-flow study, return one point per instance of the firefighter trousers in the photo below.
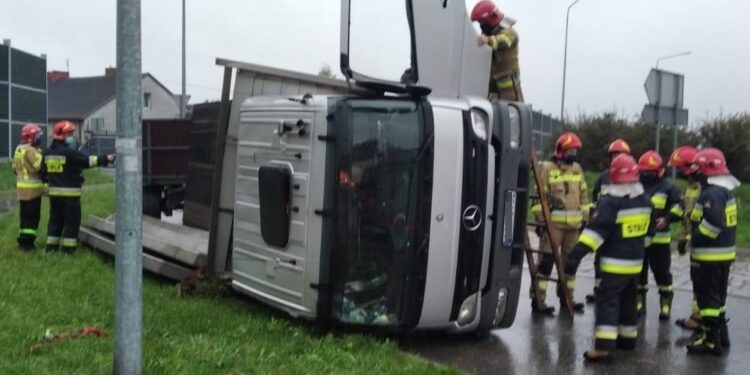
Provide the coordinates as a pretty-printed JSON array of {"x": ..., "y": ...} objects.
[
  {"x": 567, "y": 239},
  {"x": 29, "y": 215},
  {"x": 658, "y": 257},
  {"x": 710, "y": 282},
  {"x": 616, "y": 314},
  {"x": 64, "y": 223}
]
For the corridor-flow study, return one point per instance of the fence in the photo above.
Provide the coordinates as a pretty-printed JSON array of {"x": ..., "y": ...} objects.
[{"x": 543, "y": 128}]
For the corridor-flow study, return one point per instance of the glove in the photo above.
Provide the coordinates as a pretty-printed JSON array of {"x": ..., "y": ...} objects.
[{"x": 682, "y": 247}]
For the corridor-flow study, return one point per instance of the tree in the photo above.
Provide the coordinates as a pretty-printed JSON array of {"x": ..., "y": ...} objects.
[{"x": 325, "y": 71}]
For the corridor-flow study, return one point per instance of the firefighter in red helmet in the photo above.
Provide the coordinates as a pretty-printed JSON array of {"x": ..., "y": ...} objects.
[
  {"x": 27, "y": 163},
  {"x": 667, "y": 205},
  {"x": 61, "y": 169},
  {"x": 617, "y": 147},
  {"x": 714, "y": 234},
  {"x": 681, "y": 159},
  {"x": 619, "y": 229},
  {"x": 564, "y": 188},
  {"x": 499, "y": 35}
]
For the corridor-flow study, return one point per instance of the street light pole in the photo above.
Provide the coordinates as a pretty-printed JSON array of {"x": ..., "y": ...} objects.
[
  {"x": 565, "y": 61},
  {"x": 686, "y": 53},
  {"x": 183, "y": 100}
]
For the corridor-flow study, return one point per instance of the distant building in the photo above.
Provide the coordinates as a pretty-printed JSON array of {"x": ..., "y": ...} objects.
[
  {"x": 23, "y": 95},
  {"x": 90, "y": 102}
]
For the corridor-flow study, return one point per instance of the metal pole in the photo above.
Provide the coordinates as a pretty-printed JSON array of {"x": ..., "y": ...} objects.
[
  {"x": 183, "y": 102},
  {"x": 671, "y": 56},
  {"x": 128, "y": 250},
  {"x": 674, "y": 147},
  {"x": 658, "y": 111},
  {"x": 565, "y": 62},
  {"x": 10, "y": 101}
]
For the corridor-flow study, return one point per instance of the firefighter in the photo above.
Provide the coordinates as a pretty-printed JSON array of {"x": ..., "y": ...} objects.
[
  {"x": 714, "y": 228},
  {"x": 617, "y": 147},
  {"x": 666, "y": 200},
  {"x": 680, "y": 159},
  {"x": 27, "y": 162},
  {"x": 499, "y": 35},
  {"x": 619, "y": 227},
  {"x": 564, "y": 188},
  {"x": 61, "y": 169}
]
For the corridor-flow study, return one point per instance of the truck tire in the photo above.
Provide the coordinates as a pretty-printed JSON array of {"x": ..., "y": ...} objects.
[{"x": 152, "y": 201}]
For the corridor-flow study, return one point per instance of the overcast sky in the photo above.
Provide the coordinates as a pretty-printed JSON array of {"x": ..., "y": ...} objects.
[{"x": 613, "y": 44}]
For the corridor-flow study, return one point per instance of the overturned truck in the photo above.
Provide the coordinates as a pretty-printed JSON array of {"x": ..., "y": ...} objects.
[{"x": 398, "y": 204}]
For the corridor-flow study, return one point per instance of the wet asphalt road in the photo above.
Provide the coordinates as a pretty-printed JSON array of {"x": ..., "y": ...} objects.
[{"x": 555, "y": 345}]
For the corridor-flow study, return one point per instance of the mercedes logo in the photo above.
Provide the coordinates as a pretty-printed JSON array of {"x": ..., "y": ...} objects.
[{"x": 472, "y": 218}]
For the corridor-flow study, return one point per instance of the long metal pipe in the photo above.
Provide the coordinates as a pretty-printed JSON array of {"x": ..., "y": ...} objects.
[
  {"x": 128, "y": 251},
  {"x": 565, "y": 62}
]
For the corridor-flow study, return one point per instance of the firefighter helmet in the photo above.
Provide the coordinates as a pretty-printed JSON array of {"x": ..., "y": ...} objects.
[
  {"x": 623, "y": 169},
  {"x": 710, "y": 162},
  {"x": 618, "y": 146},
  {"x": 30, "y": 132},
  {"x": 566, "y": 141},
  {"x": 486, "y": 12},
  {"x": 681, "y": 158},
  {"x": 62, "y": 129},
  {"x": 650, "y": 161}
]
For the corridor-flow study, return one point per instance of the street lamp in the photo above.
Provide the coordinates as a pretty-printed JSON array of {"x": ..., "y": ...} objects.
[
  {"x": 686, "y": 53},
  {"x": 565, "y": 61}
]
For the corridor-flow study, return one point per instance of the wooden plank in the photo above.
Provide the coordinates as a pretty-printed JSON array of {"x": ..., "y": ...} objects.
[
  {"x": 156, "y": 244},
  {"x": 150, "y": 263}
]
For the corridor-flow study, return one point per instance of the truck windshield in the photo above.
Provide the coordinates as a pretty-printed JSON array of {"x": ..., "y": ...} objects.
[{"x": 383, "y": 204}]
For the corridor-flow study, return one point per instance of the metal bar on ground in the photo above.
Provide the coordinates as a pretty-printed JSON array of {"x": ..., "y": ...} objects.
[{"x": 128, "y": 354}]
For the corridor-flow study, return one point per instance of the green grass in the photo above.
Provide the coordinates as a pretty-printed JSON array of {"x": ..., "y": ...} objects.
[
  {"x": 213, "y": 332},
  {"x": 93, "y": 176}
]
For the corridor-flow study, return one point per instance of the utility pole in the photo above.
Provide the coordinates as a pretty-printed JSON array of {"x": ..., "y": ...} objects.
[
  {"x": 183, "y": 100},
  {"x": 128, "y": 355}
]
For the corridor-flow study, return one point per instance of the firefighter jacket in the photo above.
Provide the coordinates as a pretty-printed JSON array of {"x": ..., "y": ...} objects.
[
  {"x": 666, "y": 200},
  {"x": 27, "y": 163},
  {"x": 601, "y": 182},
  {"x": 692, "y": 193},
  {"x": 504, "y": 44},
  {"x": 564, "y": 188},
  {"x": 618, "y": 230},
  {"x": 714, "y": 220},
  {"x": 62, "y": 167}
]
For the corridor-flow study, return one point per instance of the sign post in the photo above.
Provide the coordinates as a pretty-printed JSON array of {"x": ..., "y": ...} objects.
[{"x": 665, "y": 102}]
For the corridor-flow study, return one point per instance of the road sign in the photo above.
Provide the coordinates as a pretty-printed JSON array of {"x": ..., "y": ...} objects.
[
  {"x": 664, "y": 89},
  {"x": 665, "y": 116}
]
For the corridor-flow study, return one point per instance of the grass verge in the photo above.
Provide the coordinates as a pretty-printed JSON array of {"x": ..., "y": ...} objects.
[
  {"x": 93, "y": 176},
  {"x": 212, "y": 332}
]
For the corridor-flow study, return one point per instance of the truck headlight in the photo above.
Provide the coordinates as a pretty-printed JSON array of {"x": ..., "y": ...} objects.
[
  {"x": 502, "y": 301},
  {"x": 515, "y": 127},
  {"x": 468, "y": 310},
  {"x": 479, "y": 123}
]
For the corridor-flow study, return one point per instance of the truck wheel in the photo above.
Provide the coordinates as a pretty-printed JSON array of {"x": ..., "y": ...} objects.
[{"x": 152, "y": 201}]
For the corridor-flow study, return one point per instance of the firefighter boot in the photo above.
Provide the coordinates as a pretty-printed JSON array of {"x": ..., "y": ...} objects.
[
  {"x": 724, "y": 331},
  {"x": 709, "y": 341},
  {"x": 665, "y": 310},
  {"x": 641, "y": 302},
  {"x": 538, "y": 305},
  {"x": 577, "y": 306},
  {"x": 26, "y": 243}
]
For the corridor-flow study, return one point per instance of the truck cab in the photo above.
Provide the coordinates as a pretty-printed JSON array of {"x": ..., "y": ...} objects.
[{"x": 400, "y": 204}]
